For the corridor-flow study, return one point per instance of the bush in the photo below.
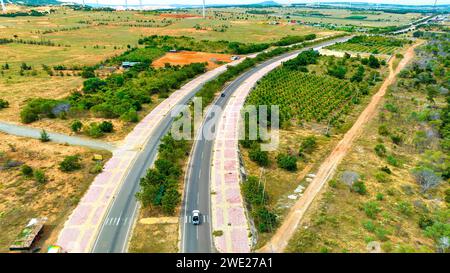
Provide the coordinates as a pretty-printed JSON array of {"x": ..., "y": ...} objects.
[
  {"x": 28, "y": 116},
  {"x": 258, "y": 156},
  {"x": 253, "y": 191},
  {"x": 383, "y": 130},
  {"x": 76, "y": 126},
  {"x": 106, "y": 127},
  {"x": 371, "y": 209},
  {"x": 359, "y": 187},
  {"x": 170, "y": 200},
  {"x": 382, "y": 177},
  {"x": 287, "y": 162},
  {"x": 70, "y": 163},
  {"x": 88, "y": 72},
  {"x": 130, "y": 116},
  {"x": 93, "y": 130},
  {"x": 379, "y": 197},
  {"x": 308, "y": 145},
  {"x": 3, "y": 104},
  {"x": 39, "y": 176},
  {"x": 392, "y": 161},
  {"x": 265, "y": 220},
  {"x": 27, "y": 171},
  {"x": 405, "y": 208},
  {"x": 44, "y": 136},
  {"x": 373, "y": 62},
  {"x": 380, "y": 150},
  {"x": 386, "y": 170},
  {"x": 97, "y": 168},
  {"x": 425, "y": 221},
  {"x": 396, "y": 139},
  {"x": 426, "y": 178}
]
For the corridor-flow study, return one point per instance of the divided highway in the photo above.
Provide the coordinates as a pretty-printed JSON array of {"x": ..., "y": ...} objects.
[
  {"x": 117, "y": 225},
  {"x": 198, "y": 238}
]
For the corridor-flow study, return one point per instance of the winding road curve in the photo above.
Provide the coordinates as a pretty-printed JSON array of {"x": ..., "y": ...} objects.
[
  {"x": 197, "y": 195},
  {"x": 25, "y": 131}
]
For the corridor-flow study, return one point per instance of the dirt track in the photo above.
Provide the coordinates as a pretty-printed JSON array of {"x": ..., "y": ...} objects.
[{"x": 282, "y": 236}]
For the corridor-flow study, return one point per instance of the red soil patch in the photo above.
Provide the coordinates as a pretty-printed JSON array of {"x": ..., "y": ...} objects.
[
  {"x": 180, "y": 16},
  {"x": 188, "y": 57}
]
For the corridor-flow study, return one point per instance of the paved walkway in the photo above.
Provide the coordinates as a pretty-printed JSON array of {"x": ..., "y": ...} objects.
[
  {"x": 25, "y": 131},
  {"x": 82, "y": 227}
]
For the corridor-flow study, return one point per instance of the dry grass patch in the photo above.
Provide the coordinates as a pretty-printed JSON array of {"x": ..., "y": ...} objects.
[{"x": 22, "y": 198}]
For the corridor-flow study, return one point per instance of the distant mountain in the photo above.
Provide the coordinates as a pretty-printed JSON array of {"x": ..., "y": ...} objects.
[{"x": 34, "y": 2}]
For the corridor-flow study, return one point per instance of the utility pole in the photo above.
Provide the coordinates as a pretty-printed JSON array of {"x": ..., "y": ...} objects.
[{"x": 204, "y": 9}]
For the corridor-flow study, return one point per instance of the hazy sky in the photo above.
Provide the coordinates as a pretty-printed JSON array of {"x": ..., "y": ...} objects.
[{"x": 197, "y": 2}]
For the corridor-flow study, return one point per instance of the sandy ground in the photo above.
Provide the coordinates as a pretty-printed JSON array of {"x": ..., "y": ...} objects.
[
  {"x": 187, "y": 57},
  {"x": 281, "y": 238},
  {"x": 23, "y": 198}
]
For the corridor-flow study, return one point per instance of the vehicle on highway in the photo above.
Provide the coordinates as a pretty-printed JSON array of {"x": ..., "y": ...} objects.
[
  {"x": 223, "y": 95},
  {"x": 196, "y": 217}
]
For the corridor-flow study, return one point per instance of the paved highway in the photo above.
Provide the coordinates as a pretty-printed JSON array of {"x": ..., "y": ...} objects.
[
  {"x": 197, "y": 239},
  {"x": 115, "y": 230}
]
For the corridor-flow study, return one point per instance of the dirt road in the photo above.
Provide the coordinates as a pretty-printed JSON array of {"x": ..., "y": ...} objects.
[{"x": 282, "y": 236}]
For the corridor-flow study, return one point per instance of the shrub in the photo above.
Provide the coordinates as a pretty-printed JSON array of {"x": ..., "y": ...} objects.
[
  {"x": 88, "y": 72},
  {"x": 380, "y": 150},
  {"x": 97, "y": 168},
  {"x": 70, "y": 163},
  {"x": 106, "y": 127},
  {"x": 28, "y": 116},
  {"x": 39, "y": 176},
  {"x": 382, "y": 177},
  {"x": 426, "y": 178},
  {"x": 258, "y": 156},
  {"x": 265, "y": 220},
  {"x": 287, "y": 162},
  {"x": 380, "y": 196},
  {"x": 392, "y": 161},
  {"x": 217, "y": 233},
  {"x": 405, "y": 208},
  {"x": 371, "y": 209},
  {"x": 308, "y": 145},
  {"x": 359, "y": 187},
  {"x": 386, "y": 169},
  {"x": 383, "y": 130},
  {"x": 27, "y": 171},
  {"x": 396, "y": 139},
  {"x": 447, "y": 196},
  {"x": 373, "y": 62},
  {"x": 44, "y": 136},
  {"x": 3, "y": 104},
  {"x": 130, "y": 116},
  {"x": 425, "y": 221},
  {"x": 93, "y": 130},
  {"x": 76, "y": 126},
  {"x": 253, "y": 191},
  {"x": 369, "y": 225},
  {"x": 170, "y": 200}
]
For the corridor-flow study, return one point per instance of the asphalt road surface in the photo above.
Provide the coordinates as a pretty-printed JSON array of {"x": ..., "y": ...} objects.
[
  {"x": 25, "y": 131},
  {"x": 115, "y": 231},
  {"x": 116, "y": 228},
  {"x": 198, "y": 238}
]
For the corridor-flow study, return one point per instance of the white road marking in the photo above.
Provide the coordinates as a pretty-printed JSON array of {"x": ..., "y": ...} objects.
[
  {"x": 204, "y": 218},
  {"x": 117, "y": 221}
]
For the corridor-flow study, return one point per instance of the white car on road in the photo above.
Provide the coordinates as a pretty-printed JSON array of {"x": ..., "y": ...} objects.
[{"x": 196, "y": 217}]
